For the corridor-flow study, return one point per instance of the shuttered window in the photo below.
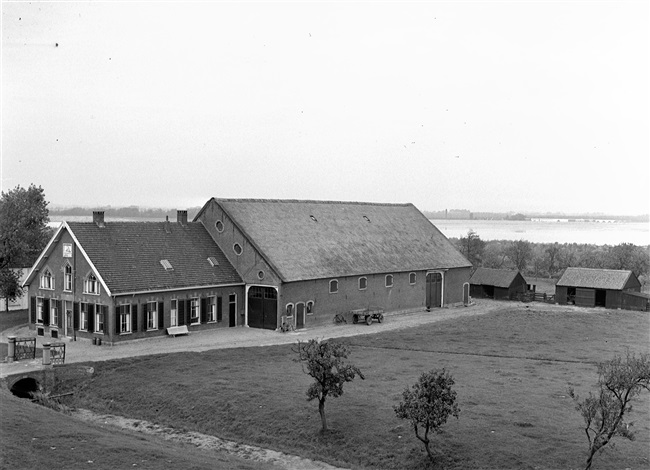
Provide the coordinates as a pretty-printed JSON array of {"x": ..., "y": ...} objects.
[
  {"x": 152, "y": 315},
  {"x": 124, "y": 322}
]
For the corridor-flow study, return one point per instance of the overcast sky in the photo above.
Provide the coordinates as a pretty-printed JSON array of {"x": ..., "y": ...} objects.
[{"x": 486, "y": 106}]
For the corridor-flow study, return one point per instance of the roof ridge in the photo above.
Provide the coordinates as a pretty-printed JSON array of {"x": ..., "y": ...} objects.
[{"x": 314, "y": 201}]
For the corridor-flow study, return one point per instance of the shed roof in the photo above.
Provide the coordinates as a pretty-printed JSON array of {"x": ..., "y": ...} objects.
[
  {"x": 493, "y": 277},
  {"x": 324, "y": 239},
  {"x": 128, "y": 255},
  {"x": 595, "y": 278}
]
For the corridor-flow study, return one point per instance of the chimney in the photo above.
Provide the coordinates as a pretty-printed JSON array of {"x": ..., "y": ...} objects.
[
  {"x": 167, "y": 227},
  {"x": 98, "y": 218},
  {"x": 181, "y": 217}
]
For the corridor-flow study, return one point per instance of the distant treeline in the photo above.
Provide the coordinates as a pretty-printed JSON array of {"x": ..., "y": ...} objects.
[
  {"x": 131, "y": 211},
  {"x": 462, "y": 214},
  {"x": 551, "y": 259}
]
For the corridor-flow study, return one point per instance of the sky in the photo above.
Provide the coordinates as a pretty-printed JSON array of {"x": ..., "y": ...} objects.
[{"x": 485, "y": 106}]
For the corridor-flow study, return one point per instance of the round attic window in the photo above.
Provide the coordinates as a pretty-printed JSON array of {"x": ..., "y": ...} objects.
[
  {"x": 238, "y": 249},
  {"x": 219, "y": 226},
  {"x": 260, "y": 275}
]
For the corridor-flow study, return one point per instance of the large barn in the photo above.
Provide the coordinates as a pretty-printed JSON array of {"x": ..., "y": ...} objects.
[
  {"x": 322, "y": 258},
  {"x": 497, "y": 283},
  {"x": 257, "y": 263},
  {"x": 586, "y": 287}
]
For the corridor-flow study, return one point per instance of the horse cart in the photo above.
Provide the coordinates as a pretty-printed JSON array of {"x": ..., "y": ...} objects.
[{"x": 367, "y": 315}]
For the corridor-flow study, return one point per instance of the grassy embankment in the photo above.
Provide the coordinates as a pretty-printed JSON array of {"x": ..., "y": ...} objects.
[{"x": 512, "y": 369}]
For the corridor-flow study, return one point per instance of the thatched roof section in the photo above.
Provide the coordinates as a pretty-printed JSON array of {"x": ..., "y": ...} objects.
[{"x": 324, "y": 239}]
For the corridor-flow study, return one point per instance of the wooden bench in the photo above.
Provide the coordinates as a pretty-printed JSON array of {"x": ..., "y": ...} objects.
[{"x": 178, "y": 330}]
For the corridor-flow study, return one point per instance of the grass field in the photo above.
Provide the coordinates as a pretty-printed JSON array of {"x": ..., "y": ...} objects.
[{"x": 512, "y": 369}]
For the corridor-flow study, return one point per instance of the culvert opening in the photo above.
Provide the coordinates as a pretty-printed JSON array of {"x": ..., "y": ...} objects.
[{"x": 24, "y": 388}]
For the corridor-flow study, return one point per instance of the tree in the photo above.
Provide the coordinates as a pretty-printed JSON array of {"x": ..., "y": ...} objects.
[
  {"x": 23, "y": 226},
  {"x": 472, "y": 248},
  {"x": 428, "y": 404},
  {"x": 619, "y": 382},
  {"x": 10, "y": 288},
  {"x": 325, "y": 362},
  {"x": 519, "y": 252}
]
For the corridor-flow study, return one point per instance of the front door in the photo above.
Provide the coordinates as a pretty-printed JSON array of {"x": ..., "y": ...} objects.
[
  {"x": 232, "y": 310},
  {"x": 67, "y": 328},
  {"x": 434, "y": 290},
  {"x": 300, "y": 316}
]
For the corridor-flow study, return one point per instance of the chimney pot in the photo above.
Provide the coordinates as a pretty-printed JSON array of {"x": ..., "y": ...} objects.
[
  {"x": 98, "y": 218},
  {"x": 181, "y": 217}
]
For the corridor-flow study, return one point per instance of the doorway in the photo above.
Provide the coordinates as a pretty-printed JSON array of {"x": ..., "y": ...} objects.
[
  {"x": 263, "y": 307},
  {"x": 300, "y": 316},
  {"x": 434, "y": 290}
]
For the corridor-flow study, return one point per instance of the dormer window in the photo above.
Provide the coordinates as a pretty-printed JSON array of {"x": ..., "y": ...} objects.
[
  {"x": 47, "y": 281},
  {"x": 91, "y": 285}
]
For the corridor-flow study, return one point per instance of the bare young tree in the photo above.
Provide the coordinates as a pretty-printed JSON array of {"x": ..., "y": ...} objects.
[
  {"x": 325, "y": 362},
  {"x": 619, "y": 382},
  {"x": 428, "y": 404}
]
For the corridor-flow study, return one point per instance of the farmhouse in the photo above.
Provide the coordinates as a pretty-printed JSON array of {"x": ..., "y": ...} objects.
[
  {"x": 303, "y": 262},
  {"x": 497, "y": 283},
  {"x": 124, "y": 280},
  {"x": 257, "y": 263},
  {"x": 600, "y": 288}
]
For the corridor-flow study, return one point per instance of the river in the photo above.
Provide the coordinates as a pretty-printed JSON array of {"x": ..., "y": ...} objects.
[{"x": 591, "y": 232}]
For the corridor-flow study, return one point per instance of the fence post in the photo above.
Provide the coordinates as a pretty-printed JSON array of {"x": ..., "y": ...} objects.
[
  {"x": 11, "y": 350},
  {"x": 47, "y": 360}
]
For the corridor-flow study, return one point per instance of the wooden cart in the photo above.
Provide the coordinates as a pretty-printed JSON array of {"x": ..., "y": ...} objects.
[{"x": 367, "y": 315}]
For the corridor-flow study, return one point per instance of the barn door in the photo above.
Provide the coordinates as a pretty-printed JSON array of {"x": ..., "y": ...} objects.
[
  {"x": 300, "y": 315},
  {"x": 434, "y": 290},
  {"x": 262, "y": 307},
  {"x": 466, "y": 293}
]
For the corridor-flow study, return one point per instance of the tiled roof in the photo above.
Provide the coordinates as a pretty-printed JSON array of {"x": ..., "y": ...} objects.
[
  {"x": 594, "y": 278},
  {"x": 324, "y": 239},
  {"x": 128, "y": 255},
  {"x": 493, "y": 277}
]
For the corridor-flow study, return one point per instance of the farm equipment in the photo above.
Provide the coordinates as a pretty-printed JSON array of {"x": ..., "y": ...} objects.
[{"x": 367, "y": 315}]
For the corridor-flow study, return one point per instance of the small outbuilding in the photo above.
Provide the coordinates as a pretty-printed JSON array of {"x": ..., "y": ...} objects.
[
  {"x": 609, "y": 288},
  {"x": 497, "y": 283}
]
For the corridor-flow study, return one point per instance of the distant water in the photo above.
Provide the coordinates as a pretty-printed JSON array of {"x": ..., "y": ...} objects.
[{"x": 596, "y": 233}]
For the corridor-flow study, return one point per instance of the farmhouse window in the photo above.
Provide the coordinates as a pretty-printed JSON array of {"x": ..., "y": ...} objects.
[
  {"x": 67, "y": 278},
  {"x": 83, "y": 317},
  {"x": 39, "y": 310},
  {"x": 124, "y": 319},
  {"x": 412, "y": 278},
  {"x": 289, "y": 310},
  {"x": 91, "y": 286},
  {"x": 237, "y": 249},
  {"x": 334, "y": 286},
  {"x": 173, "y": 314},
  {"x": 212, "y": 310},
  {"x": 54, "y": 312},
  {"x": 310, "y": 307},
  {"x": 389, "y": 280},
  {"x": 219, "y": 226},
  {"x": 47, "y": 281},
  {"x": 363, "y": 283},
  {"x": 101, "y": 312},
  {"x": 195, "y": 311},
  {"x": 152, "y": 316}
]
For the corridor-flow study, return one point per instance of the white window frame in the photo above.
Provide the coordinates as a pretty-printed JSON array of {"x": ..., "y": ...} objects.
[
  {"x": 173, "y": 312},
  {"x": 67, "y": 278},
  {"x": 415, "y": 278},
  {"x": 47, "y": 280},
  {"x": 100, "y": 319},
  {"x": 90, "y": 286},
  {"x": 54, "y": 313},
  {"x": 83, "y": 316},
  {"x": 124, "y": 314},
  {"x": 309, "y": 307},
  {"x": 39, "y": 310},
  {"x": 392, "y": 280},
  {"x": 211, "y": 314},
  {"x": 152, "y": 316},
  {"x": 288, "y": 310},
  {"x": 195, "y": 307},
  {"x": 336, "y": 283},
  {"x": 363, "y": 278}
]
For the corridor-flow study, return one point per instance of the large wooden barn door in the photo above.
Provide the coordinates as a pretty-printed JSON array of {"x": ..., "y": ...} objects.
[
  {"x": 262, "y": 308},
  {"x": 585, "y": 297},
  {"x": 434, "y": 290}
]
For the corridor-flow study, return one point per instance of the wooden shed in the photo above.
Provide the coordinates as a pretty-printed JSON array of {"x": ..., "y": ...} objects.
[
  {"x": 497, "y": 283},
  {"x": 586, "y": 287}
]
